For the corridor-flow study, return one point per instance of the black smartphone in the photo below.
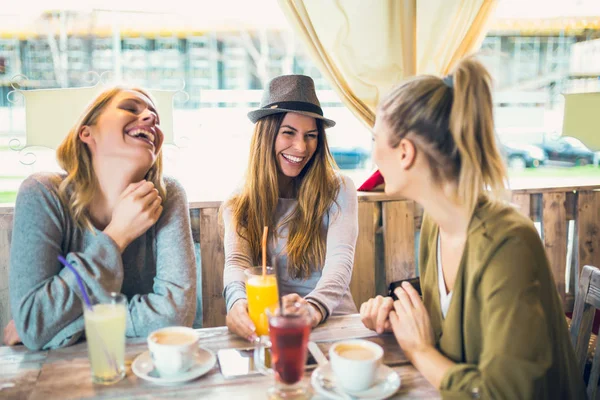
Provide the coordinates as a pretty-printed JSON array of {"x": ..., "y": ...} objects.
[
  {"x": 415, "y": 282},
  {"x": 240, "y": 362}
]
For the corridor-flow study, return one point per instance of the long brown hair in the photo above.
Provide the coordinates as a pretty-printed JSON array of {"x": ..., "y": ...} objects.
[
  {"x": 79, "y": 187},
  {"x": 317, "y": 187},
  {"x": 451, "y": 120}
]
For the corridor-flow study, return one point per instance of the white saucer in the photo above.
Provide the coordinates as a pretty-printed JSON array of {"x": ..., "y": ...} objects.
[
  {"x": 143, "y": 367},
  {"x": 387, "y": 382}
]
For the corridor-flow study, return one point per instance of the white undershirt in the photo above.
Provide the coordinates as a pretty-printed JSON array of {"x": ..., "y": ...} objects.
[{"x": 445, "y": 297}]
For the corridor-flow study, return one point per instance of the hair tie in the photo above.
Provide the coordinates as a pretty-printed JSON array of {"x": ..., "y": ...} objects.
[{"x": 448, "y": 81}]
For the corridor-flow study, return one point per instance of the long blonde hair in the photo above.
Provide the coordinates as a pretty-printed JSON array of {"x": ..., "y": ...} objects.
[
  {"x": 317, "y": 187},
  {"x": 451, "y": 120},
  {"x": 79, "y": 187}
]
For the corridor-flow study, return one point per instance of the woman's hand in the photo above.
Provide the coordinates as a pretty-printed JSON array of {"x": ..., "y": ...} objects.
[
  {"x": 374, "y": 314},
  {"x": 11, "y": 337},
  {"x": 289, "y": 300},
  {"x": 139, "y": 208},
  {"x": 238, "y": 321},
  {"x": 410, "y": 322}
]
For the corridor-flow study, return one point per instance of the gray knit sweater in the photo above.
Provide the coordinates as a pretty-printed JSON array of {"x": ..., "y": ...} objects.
[
  {"x": 156, "y": 271},
  {"x": 328, "y": 285}
]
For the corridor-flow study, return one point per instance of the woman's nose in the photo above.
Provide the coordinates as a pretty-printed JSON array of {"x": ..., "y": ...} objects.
[
  {"x": 149, "y": 116},
  {"x": 300, "y": 145}
]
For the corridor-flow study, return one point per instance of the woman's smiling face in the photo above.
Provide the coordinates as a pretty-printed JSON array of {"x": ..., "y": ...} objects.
[
  {"x": 296, "y": 143},
  {"x": 127, "y": 129}
]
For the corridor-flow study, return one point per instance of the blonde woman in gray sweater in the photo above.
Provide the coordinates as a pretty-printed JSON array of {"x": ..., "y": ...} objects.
[
  {"x": 311, "y": 210},
  {"x": 114, "y": 217}
]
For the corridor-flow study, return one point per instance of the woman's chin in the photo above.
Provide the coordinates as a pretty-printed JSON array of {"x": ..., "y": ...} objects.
[
  {"x": 144, "y": 163},
  {"x": 291, "y": 172},
  {"x": 146, "y": 158},
  {"x": 391, "y": 190}
]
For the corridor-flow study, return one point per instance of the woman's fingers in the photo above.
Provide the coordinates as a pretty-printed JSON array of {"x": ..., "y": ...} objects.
[
  {"x": 365, "y": 314},
  {"x": 404, "y": 300},
  {"x": 414, "y": 296},
  {"x": 388, "y": 325},
  {"x": 11, "y": 337},
  {"x": 361, "y": 310},
  {"x": 157, "y": 212},
  {"x": 144, "y": 189},
  {"x": 394, "y": 320},
  {"x": 383, "y": 313},
  {"x": 239, "y": 322},
  {"x": 131, "y": 188},
  {"x": 374, "y": 313},
  {"x": 291, "y": 298}
]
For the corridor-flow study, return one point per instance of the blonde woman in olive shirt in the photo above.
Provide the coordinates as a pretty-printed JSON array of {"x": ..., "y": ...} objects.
[{"x": 490, "y": 324}]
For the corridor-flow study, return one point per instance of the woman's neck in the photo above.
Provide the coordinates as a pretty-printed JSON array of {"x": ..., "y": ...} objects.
[
  {"x": 111, "y": 182},
  {"x": 452, "y": 218},
  {"x": 287, "y": 187}
]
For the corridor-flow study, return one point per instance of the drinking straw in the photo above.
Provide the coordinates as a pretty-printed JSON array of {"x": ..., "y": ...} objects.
[
  {"x": 111, "y": 361},
  {"x": 67, "y": 264},
  {"x": 278, "y": 282},
  {"x": 264, "y": 252}
]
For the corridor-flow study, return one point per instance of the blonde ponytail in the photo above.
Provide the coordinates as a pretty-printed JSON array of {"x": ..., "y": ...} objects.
[
  {"x": 451, "y": 121},
  {"x": 472, "y": 127}
]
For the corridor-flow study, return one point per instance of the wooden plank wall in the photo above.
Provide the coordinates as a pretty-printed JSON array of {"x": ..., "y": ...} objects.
[
  {"x": 556, "y": 209},
  {"x": 363, "y": 285},
  {"x": 399, "y": 240},
  {"x": 554, "y": 226},
  {"x": 588, "y": 228},
  {"x": 213, "y": 262}
]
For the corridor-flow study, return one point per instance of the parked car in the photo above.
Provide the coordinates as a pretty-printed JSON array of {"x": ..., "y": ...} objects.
[
  {"x": 567, "y": 149},
  {"x": 520, "y": 155},
  {"x": 354, "y": 158}
]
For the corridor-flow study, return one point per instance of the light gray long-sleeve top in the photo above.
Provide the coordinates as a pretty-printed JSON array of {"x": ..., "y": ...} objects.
[
  {"x": 328, "y": 285},
  {"x": 156, "y": 271}
]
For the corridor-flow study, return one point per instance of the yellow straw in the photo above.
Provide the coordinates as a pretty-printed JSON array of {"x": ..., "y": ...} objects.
[{"x": 264, "y": 251}]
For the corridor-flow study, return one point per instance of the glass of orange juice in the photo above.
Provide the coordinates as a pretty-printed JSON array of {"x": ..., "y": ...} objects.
[{"x": 262, "y": 295}]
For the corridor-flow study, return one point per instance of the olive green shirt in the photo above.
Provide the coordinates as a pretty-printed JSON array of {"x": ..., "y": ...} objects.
[{"x": 505, "y": 328}]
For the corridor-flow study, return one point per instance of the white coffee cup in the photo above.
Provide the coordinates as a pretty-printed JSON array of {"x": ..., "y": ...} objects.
[
  {"x": 355, "y": 363},
  {"x": 173, "y": 350}
]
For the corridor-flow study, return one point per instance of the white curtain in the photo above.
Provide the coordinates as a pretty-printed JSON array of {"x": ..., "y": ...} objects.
[{"x": 365, "y": 47}]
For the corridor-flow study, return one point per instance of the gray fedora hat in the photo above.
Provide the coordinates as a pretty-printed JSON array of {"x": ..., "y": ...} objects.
[{"x": 290, "y": 93}]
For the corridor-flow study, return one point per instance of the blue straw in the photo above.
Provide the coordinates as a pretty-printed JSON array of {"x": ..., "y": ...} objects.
[{"x": 67, "y": 264}]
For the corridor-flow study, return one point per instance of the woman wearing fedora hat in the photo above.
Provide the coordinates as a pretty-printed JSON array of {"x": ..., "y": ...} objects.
[{"x": 311, "y": 209}]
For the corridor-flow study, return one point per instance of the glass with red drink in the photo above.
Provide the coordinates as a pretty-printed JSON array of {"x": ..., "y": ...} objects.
[{"x": 288, "y": 340}]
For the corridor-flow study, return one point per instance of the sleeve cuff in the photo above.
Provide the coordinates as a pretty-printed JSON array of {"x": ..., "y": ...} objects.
[
  {"x": 320, "y": 307},
  {"x": 234, "y": 292},
  {"x": 461, "y": 378},
  {"x": 109, "y": 241}
]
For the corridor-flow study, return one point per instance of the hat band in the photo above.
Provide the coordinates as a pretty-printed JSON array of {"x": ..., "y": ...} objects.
[{"x": 296, "y": 106}]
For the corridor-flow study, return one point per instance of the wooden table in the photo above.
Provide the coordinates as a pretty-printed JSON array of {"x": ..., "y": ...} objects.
[{"x": 65, "y": 373}]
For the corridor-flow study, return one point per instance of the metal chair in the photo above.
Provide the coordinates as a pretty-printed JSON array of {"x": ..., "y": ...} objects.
[{"x": 586, "y": 303}]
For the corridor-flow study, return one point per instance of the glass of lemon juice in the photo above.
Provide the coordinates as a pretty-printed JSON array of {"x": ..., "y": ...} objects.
[{"x": 105, "y": 333}]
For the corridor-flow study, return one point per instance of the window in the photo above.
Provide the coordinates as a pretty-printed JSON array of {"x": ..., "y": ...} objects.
[{"x": 222, "y": 70}]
